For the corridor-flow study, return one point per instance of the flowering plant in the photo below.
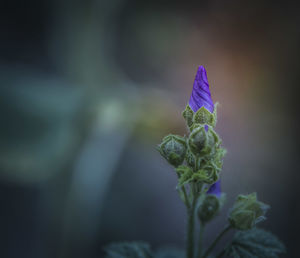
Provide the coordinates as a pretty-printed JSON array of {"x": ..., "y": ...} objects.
[{"x": 197, "y": 160}]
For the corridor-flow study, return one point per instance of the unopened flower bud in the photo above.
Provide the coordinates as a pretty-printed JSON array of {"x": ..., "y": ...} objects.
[
  {"x": 201, "y": 96},
  {"x": 209, "y": 208},
  {"x": 215, "y": 189},
  {"x": 247, "y": 212},
  {"x": 202, "y": 139},
  {"x": 173, "y": 149},
  {"x": 197, "y": 140}
]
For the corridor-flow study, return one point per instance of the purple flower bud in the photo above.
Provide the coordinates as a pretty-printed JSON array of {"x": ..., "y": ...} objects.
[
  {"x": 201, "y": 97},
  {"x": 215, "y": 189}
]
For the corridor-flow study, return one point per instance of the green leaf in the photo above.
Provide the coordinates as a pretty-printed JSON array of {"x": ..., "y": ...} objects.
[
  {"x": 206, "y": 175},
  {"x": 255, "y": 243},
  {"x": 169, "y": 252},
  {"x": 185, "y": 175},
  {"x": 128, "y": 250}
]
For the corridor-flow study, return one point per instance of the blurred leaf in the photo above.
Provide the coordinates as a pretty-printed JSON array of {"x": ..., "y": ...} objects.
[
  {"x": 255, "y": 243},
  {"x": 169, "y": 252},
  {"x": 43, "y": 124},
  {"x": 129, "y": 250}
]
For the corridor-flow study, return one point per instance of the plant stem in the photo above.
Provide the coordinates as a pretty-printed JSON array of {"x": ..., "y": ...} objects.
[
  {"x": 221, "y": 234},
  {"x": 200, "y": 240},
  {"x": 190, "y": 228},
  {"x": 187, "y": 201}
]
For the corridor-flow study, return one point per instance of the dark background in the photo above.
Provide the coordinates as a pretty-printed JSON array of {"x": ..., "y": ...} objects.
[{"x": 87, "y": 90}]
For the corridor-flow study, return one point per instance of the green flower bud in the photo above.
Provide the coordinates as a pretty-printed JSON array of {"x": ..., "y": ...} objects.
[
  {"x": 173, "y": 149},
  {"x": 188, "y": 115},
  {"x": 247, "y": 212},
  {"x": 209, "y": 208},
  {"x": 202, "y": 140},
  {"x": 197, "y": 140}
]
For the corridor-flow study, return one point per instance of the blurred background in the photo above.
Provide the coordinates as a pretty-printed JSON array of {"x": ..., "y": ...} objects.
[{"x": 89, "y": 88}]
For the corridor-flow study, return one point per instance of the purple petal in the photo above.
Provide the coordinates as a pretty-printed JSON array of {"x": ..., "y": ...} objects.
[
  {"x": 201, "y": 96},
  {"x": 215, "y": 189}
]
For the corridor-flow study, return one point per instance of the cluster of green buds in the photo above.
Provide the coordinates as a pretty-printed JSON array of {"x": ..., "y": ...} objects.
[
  {"x": 198, "y": 156},
  {"x": 198, "y": 160}
]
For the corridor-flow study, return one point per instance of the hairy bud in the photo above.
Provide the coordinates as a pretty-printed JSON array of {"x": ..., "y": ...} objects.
[
  {"x": 247, "y": 212},
  {"x": 173, "y": 149},
  {"x": 209, "y": 208},
  {"x": 202, "y": 139}
]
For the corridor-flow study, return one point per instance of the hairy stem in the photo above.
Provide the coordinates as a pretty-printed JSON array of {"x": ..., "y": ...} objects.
[
  {"x": 190, "y": 228},
  {"x": 221, "y": 234},
  {"x": 187, "y": 201},
  {"x": 200, "y": 240}
]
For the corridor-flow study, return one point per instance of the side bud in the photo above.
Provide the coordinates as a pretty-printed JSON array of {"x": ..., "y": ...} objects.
[
  {"x": 173, "y": 149},
  {"x": 247, "y": 212},
  {"x": 209, "y": 208}
]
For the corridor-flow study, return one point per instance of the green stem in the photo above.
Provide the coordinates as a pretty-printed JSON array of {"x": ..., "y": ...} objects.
[
  {"x": 221, "y": 234},
  {"x": 187, "y": 201},
  {"x": 190, "y": 228},
  {"x": 200, "y": 240}
]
